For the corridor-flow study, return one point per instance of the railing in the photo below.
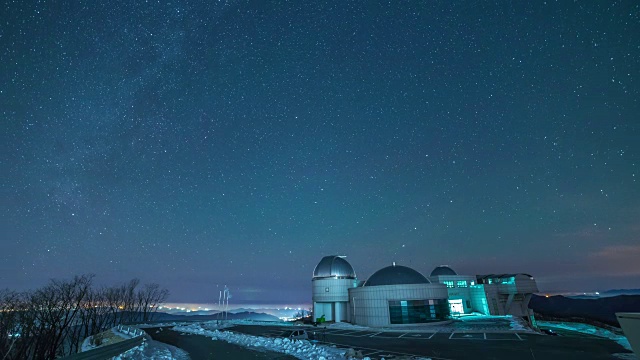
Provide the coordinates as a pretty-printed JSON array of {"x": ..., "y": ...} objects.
[
  {"x": 130, "y": 330},
  {"x": 109, "y": 351}
]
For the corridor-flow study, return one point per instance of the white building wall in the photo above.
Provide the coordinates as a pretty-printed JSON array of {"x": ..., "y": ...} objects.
[
  {"x": 340, "y": 312},
  {"x": 463, "y": 294},
  {"x": 493, "y": 299},
  {"x": 630, "y": 323},
  {"x": 479, "y": 300},
  {"x": 525, "y": 284},
  {"x": 458, "y": 292},
  {"x": 440, "y": 278},
  {"x": 370, "y": 304},
  {"x": 330, "y": 298},
  {"x": 513, "y": 298},
  {"x": 331, "y": 289},
  {"x": 323, "y": 308}
]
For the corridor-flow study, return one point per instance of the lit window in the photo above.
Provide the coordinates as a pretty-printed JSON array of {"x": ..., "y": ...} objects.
[
  {"x": 449, "y": 283},
  {"x": 461, "y": 283},
  {"x": 417, "y": 311}
]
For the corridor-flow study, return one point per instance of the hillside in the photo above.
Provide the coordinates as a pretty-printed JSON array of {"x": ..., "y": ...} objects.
[
  {"x": 160, "y": 316},
  {"x": 598, "y": 309}
]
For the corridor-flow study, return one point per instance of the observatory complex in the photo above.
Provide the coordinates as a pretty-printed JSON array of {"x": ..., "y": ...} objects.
[{"x": 397, "y": 295}]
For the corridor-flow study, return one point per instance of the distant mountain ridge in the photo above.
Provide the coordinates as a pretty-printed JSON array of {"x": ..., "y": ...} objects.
[
  {"x": 617, "y": 292},
  {"x": 245, "y": 315},
  {"x": 600, "y": 309},
  {"x": 608, "y": 293}
]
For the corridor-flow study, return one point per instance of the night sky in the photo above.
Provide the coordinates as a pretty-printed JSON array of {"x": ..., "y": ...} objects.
[{"x": 234, "y": 142}]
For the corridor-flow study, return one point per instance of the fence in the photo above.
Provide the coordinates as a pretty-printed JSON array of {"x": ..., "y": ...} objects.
[
  {"x": 109, "y": 351},
  {"x": 130, "y": 330}
]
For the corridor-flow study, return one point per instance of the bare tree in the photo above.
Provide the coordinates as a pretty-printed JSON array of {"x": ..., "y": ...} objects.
[
  {"x": 10, "y": 307},
  {"x": 93, "y": 318},
  {"x": 149, "y": 298},
  {"x": 128, "y": 307},
  {"x": 57, "y": 306},
  {"x": 51, "y": 321}
]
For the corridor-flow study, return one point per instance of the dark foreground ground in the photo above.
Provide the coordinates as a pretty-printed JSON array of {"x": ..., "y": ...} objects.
[
  {"x": 454, "y": 345},
  {"x": 390, "y": 345},
  {"x": 203, "y": 348}
]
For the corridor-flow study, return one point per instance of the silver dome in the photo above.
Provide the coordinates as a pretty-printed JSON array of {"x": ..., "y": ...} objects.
[
  {"x": 334, "y": 266},
  {"x": 396, "y": 275},
  {"x": 443, "y": 270}
]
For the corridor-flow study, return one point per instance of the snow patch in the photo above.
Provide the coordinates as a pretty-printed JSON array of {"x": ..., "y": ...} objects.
[
  {"x": 518, "y": 324},
  {"x": 154, "y": 350},
  {"x": 302, "y": 349},
  {"x": 588, "y": 329},
  {"x": 107, "y": 337}
]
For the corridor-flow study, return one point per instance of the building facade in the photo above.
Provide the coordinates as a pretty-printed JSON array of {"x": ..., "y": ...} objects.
[
  {"x": 397, "y": 295},
  {"x": 332, "y": 278},
  {"x": 495, "y": 294}
]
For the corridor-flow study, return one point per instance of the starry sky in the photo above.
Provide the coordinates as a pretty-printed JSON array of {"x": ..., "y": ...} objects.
[{"x": 197, "y": 144}]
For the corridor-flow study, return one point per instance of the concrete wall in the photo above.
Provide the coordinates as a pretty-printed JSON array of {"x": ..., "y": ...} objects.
[
  {"x": 479, "y": 300},
  {"x": 323, "y": 308},
  {"x": 330, "y": 298},
  {"x": 499, "y": 302},
  {"x": 331, "y": 289},
  {"x": 630, "y": 323},
  {"x": 370, "y": 304},
  {"x": 462, "y": 293},
  {"x": 341, "y": 311},
  {"x": 493, "y": 299}
]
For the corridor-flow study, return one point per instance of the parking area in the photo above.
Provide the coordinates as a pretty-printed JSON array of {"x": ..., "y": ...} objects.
[
  {"x": 442, "y": 345},
  {"x": 316, "y": 333},
  {"x": 490, "y": 336}
]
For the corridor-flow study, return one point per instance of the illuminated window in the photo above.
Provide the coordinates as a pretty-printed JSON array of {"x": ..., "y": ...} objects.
[
  {"x": 417, "y": 311},
  {"x": 449, "y": 283},
  {"x": 473, "y": 283},
  {"x": 461, "y": 283}
]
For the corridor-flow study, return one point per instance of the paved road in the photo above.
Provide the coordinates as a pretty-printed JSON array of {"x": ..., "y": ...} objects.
[
  {"x": 458, "y": 346},
  {"x": 203, "y": 348}
]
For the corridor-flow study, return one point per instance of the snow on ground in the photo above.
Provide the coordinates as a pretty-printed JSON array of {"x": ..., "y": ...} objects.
[
  {"x": 302, "y": 349},
  {"x": 108, "y": 337},
  {"x": 86, "y": 345},
  {"x": 230, "y": 322},
  {"x": 151, "y": 349},
  {"x": 468, "y": 323},
  {"x": 518, "y": 324},
  {"x": 347, "y": 326},
  {"x": 588, "y": 329},
  {"x": 164, "y": 324}
]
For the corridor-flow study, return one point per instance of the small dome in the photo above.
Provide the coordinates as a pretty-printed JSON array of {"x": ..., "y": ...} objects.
[
  {"x": 396, "y": 275},
  {"x": 443, "y": 270},
  {"x": 334, "y": 266}
]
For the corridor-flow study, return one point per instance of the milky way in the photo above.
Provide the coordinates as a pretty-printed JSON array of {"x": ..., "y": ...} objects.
[{"x": 203, "y": 144}]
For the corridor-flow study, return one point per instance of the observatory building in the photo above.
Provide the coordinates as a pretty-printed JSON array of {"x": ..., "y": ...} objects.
[
  {"x": 332, "y": 278},
  {"x": 397, "y": 294},
  {"x": 458, "y": 289},
  {"x": 503, "y": 294}
]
